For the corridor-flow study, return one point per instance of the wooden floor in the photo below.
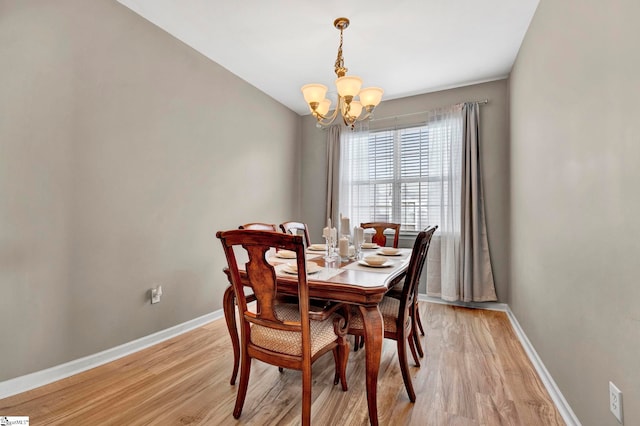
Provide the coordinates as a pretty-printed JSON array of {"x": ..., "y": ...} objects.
[{"x": 474, "y": 372}]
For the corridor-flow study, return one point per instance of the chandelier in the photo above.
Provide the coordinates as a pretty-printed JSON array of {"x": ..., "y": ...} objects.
[{"x": 348, "y": 87}]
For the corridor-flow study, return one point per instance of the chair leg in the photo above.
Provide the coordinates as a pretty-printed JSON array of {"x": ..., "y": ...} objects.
[
  {"x": 412, "y": 346},
  {"x": 341, "y": 363},
  {"x": 418, "y": 320},
  {"x": 306, "y": 395},
  {"x": 229, "y": 305},
  {"x": 404, "y": 367},
  {"x": 414, "y": 329},
  {"x": 280, "y": 369},
  {"x": 416, "y": 340},
  {"x": 245, "y": 369},
  {"x": 356, "y": 343},
  {"x": 336, "y": 360}
]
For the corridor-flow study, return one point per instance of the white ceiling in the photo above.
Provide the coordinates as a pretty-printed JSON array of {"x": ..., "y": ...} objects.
[{"x": 407, "y": 47}]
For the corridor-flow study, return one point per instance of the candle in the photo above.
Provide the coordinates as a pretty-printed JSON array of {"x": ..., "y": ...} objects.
[
  {"x": 358, "y": 236},
  {"x": 343, "y": 247},
  {"x": 345, "y": 227},
  {"x": 326, "y": 233}
]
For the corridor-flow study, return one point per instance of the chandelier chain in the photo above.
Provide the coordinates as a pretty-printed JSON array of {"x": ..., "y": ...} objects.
[{"x": 339, "y": 65}]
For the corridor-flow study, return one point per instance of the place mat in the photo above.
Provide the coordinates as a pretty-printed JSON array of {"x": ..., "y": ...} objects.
[
  {"x": 401, "y": 255},
  {"x": 322, "y": 275},
  {"x": 275, "y": 260},
  {"x": 386, "y": 270}
]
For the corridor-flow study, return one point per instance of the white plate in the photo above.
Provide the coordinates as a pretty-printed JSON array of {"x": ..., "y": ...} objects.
[
  {"x": 312, "y": 268},
  {"x": 286, "y": 254},
  {"x": 370, "y": 246},
  {"x": 384, "y": 265},
  {"x": 388, "y": 254},
  {"x": 317, "y": 247}
]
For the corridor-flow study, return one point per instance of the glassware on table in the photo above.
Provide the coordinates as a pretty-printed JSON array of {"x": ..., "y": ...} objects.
[{"x": 331, "y": 248}]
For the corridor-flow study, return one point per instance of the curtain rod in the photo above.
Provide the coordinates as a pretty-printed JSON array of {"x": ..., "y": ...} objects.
[{"x": 483, "y": 102}]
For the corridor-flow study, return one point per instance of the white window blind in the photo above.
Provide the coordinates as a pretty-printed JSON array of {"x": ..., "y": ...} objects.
[{"x": 398, "y": 175}]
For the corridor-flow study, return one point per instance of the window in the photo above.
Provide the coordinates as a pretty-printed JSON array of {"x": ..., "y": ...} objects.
[{"x": 397, "y": 175}]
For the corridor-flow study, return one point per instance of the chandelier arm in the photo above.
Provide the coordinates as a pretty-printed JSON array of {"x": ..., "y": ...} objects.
[
  {"x": 365, "y": 116},
  {"x": 325, "y": 120}
]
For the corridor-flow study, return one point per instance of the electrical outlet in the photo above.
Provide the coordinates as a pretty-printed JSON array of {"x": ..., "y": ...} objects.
[
  {"x": 156, "y": 294},
  {"x": 615, "y": 401}
]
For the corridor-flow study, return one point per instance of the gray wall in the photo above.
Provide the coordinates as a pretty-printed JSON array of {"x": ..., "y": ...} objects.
[
  {"x": 494, "y": 151},
  {"x": 122, "y": 152},
  {"x": 575, "y": 202}
]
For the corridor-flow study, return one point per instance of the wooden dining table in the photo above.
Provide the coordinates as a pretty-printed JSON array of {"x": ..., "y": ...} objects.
[{"x": 346, "y": 282}]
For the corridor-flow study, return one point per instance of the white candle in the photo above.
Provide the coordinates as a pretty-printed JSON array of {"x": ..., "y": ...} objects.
[
  {"x": 345, "y": 227},
  {"x": 358, "y": 235},
  {"x": 343, "y": 247},
  {"x": 326, "y": 233}
]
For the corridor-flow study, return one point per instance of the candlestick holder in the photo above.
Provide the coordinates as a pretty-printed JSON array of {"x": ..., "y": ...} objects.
[{"x": 330, "y": 255}]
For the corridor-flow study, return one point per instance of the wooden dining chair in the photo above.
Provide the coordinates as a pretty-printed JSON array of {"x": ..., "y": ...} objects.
[
  {"x": 286, "y": 335},
  {"x": 379, "y": 237},
  {"x": 397, "y": 312},
  {"x": 416, "y": 321},
  {"x": 259, "y": 226},
  {"x": 295, "y": 228}
]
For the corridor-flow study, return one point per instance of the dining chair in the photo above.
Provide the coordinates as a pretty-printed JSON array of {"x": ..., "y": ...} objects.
[
  {"x": 416, "y": 321},
  {"x": 379, "y": 237},
  {"x": 295, "y": 228},
  {"x": 259, "y": 226},
  {"x": 396, "y": 311},
  {"x": 256, "y": 226},
  {"x": 286, "y": 335}
]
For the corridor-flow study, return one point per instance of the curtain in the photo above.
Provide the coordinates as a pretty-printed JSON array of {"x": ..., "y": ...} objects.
[
  {"x": 333, "y": 172},
  {"x": 476, "y": 280},
  {"x": 442, "y": 269},
  {"x": 354, "y": 146},
  {"x": 459, "y": 267}
]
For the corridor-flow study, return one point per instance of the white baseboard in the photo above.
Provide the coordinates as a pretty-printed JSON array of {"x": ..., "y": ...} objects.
[
  {"x": 44, "y": 377},
  {"x": 554, "y": 392}
]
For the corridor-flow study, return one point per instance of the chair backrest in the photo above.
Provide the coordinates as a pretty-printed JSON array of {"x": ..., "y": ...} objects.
[
  {"x": 414, "y": 271},
  {"x": 294, "y": 228},
  {"x": 379, "y": 237},
  {"x": 261, "y": 278},
  {"x": 259, "y": 226}
]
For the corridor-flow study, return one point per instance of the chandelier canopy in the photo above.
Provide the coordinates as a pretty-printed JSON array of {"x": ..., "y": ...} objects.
[{"x": 351, "y": 99}]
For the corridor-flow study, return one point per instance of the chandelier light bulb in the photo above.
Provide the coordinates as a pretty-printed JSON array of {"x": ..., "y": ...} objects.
[
  {"x": 355, "y": 109},
  {"x": 348, "y": 85},
  {"x": 371, "y": 96},
  {"x": 314, "y": 92},
  {"x": 324, "y": 107}
]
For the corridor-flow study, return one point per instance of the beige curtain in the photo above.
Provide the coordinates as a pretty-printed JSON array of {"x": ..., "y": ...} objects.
[
  {"x": 333, "y": 173},
  {"x": 476, "y": 275},
  {"x": 459, "y": 266}
]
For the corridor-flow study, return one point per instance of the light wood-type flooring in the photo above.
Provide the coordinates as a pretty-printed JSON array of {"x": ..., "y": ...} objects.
[{"x": 474, "y": 372}]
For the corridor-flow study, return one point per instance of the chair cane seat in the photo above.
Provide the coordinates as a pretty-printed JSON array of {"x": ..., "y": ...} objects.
[
  {"x": 290, "y": 342},
  {"x": 388, "y": 308}
]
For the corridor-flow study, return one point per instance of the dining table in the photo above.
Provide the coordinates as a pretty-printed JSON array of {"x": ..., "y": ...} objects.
[{"x": 350, "y": 281}]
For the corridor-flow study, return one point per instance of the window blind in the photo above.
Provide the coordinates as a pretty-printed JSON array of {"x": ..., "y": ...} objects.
[{"x": 399, "y": 175}]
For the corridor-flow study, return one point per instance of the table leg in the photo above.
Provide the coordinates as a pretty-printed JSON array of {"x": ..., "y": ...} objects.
[
  {"x": 229, "y": 307},
  {"x": 373, "y": 336}
]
